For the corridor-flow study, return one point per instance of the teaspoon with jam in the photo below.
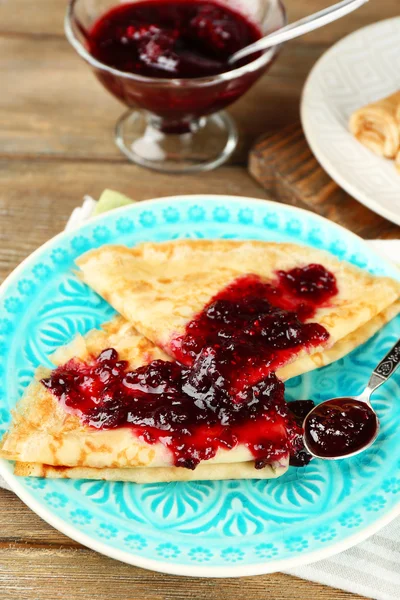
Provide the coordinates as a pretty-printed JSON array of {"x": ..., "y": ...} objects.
[{"x": 343, "y": 427}]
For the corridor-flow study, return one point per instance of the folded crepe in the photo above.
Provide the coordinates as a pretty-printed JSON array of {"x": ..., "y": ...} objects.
[
  {"x": 341, "y": 348},
  {"x": 48, "y": 439},
  {"x": 161, "y": 288},
  {"x": 120, "y": 334},
  {"x": 203, "y": 472},
  {"x": 377, "y": 126}
]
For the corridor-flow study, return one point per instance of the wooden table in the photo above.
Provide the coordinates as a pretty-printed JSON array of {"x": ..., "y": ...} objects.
[{"x": 56, "y": 145}]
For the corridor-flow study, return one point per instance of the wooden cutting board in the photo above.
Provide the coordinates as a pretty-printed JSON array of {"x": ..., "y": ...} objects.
[{"x": 284, "y": 165}]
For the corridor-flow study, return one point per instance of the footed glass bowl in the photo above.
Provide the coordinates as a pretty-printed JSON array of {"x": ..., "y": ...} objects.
[{"x": 175, "y": 125}]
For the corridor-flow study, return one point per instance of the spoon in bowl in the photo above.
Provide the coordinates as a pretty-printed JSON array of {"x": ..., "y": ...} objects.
[
  {"x": 343, "y": 427},
  {"x": 298, "y": 28}
]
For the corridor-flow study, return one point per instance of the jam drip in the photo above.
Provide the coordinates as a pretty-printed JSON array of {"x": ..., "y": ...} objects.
[
  {"x": 177, "y": 38},
  {"x": 222, "y": 390}
]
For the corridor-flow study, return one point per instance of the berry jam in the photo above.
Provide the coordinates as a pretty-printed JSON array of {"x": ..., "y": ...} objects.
[
  {"x": 252, "y": 327},
  {"x": 171, "y": 38},
  {"x": 162, "y": 403},
  {"x": 313, "y": 283},
  {"x": 223, "y": 390},
  {"x": 340, "y": 427}
]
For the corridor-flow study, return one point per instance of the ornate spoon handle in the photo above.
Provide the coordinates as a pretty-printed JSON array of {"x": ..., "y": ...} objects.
[{"x": 385, "y": 369}]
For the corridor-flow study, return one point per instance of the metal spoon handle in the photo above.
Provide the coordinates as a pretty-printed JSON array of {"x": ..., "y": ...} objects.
[
  {"x": 314, "y": 21},
  {"x": 385, "y": 369}
]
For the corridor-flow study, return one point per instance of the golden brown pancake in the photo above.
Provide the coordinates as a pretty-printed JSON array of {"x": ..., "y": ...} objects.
[
  {"x": 45, "y": 433},
  {"x": 159, "y": 288},
  {"x": 343, "y": 347},
  {"x": 39, "y": 420},
  {"x": 204, "y": 472},
  {"x": 377, "y": 125}
]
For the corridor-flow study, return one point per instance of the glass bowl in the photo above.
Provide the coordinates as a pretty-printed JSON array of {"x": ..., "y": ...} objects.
[{"x": 176, "y": 125}]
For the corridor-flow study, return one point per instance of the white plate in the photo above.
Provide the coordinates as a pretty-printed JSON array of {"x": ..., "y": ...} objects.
[{"x": 361, "y": 68}]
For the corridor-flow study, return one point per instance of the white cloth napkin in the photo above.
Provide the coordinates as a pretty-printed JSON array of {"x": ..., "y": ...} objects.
[{"x": 372, "y": 568}]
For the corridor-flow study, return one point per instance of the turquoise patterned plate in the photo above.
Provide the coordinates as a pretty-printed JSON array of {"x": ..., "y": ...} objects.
[{"x": 207, "y": 528}]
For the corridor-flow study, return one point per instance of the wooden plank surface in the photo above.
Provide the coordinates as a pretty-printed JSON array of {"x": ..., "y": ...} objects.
[
  {"x": 46, "y": 191},
  {"x": 39, "y": 563},
  {"x": 285, "y": 166},
  {"x": 56, "y": 145}
]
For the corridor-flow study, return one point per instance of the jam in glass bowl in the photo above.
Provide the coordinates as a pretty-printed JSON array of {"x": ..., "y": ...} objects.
[{"x": 167, "y": 60}]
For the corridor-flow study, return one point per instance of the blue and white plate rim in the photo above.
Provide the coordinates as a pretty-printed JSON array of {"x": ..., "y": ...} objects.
[{"x": 163, "y": 566}]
